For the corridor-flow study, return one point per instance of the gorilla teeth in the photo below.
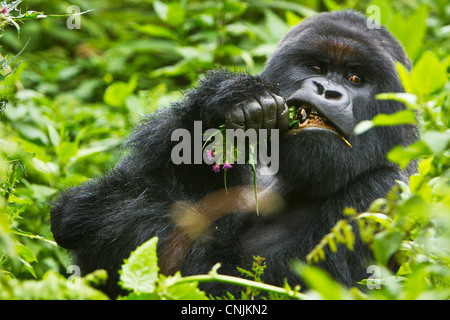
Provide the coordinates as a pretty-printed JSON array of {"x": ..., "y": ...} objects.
[{"x": 302, "y": 115}]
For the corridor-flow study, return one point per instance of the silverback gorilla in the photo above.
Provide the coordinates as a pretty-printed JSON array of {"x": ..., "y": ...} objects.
[{"x": 329, "y": 68}]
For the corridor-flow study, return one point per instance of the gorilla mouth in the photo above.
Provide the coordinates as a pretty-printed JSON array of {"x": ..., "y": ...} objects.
[{"x": 306, "y": 116}]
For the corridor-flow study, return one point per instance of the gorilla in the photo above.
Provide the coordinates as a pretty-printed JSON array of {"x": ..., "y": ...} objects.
[{"x": 326, "y": 71}]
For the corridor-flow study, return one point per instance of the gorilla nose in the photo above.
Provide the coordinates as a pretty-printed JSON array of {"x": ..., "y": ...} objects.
[
  {"x": 329, "y": 99},
  {"x": 329, "y": 90}
]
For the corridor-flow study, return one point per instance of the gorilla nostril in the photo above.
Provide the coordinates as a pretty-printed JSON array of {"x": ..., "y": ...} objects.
[
  {"x": 320, "y": 88},
  {"x": 331, "y": 94}
]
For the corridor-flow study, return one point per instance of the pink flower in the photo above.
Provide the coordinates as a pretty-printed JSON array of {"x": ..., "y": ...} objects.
[
  {"x": 210, "y": 154},
  {"x": 216, "y": 168},
  {"x": 5, "y": 11},
  {"x": 227, "y": 166}
]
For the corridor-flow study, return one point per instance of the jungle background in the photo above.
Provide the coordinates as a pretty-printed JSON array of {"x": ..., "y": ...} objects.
[{"x": 69, "y": 97}]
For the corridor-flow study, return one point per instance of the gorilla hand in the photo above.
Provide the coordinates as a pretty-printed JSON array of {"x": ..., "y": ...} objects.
[
  {"x": 265, "y": 112},
  {"x": 239, "y": 100}
]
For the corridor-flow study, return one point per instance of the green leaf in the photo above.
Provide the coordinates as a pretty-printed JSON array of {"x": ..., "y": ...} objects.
[
  {"x": 284, "y": 5},
  {"x": 26, "y": 256},
  {"x": 34, "y": 149},
  {"x": 53, "y": 134},
  {"x": 408, "y": 99},
  {"x": 419, "y": 187},
  {"x": 176, "y": 15},
  {"x": 53, "y": 286},
  {"x": 41, "y": 192},
  {"x": 32, "y": 132},
  {"x": 116, "y": 94},
  {"x": 410, "y": 30},
  {"x": 278, "y": 27},
  {"x": 380, "y": 218},
  {"x": 28, "y": 267},
  {"x": 415, "y": 206},
  {"x": 65, "y": 151},
  {"x": 319, "y": 281},
  {"x": 140, "y": 272},
  {"x": 155, "y": 31},
  {"x": 437, "y": 141},
  {"x": 292, "y": 19},
  {"x": 398, "y": 118},
  {"x": 331, "y": 244},
  {"x": 331, "y": 5},
  {"x": 171, "y": 290},
  {"x": 386, "y": 9},
  {"x": 403, "y": 156},
  {"x": 349, "y": 236},
  {"x": 32, "y": 236},
  {"x": 161, "y": 9},
  {"x": 89, "y": 152},
  {"x": 236, "y": 8},
  {"x": 405, "y": 77},
  {"x": 429, "y": 74},
  {"x": 385, "y": 244},
  {"x": 5, "y": 64},
  {"x": 363, "y": 126}
]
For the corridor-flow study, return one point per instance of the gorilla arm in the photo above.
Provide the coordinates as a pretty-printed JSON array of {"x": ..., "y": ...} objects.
[
  {"x": 104, "y": 219},
  {"x": 148, "y": 164}
]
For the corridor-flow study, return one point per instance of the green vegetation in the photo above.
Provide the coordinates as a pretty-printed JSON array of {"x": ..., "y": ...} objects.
[{"x": 69, "y": 97}]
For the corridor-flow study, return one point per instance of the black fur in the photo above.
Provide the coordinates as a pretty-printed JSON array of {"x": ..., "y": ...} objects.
[{"x": 103, "y": 220}]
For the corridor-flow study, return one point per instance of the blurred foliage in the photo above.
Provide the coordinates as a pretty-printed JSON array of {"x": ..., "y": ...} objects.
[{"x": 69, "y": 99}]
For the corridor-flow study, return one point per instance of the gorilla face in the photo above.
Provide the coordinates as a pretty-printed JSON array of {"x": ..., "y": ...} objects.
[
  {"x": 329, "y": 68},
  {"x": 325, "y": 104}
]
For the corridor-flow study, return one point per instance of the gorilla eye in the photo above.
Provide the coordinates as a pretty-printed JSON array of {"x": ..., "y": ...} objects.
[
  {"x": 316, "y": 69},
  {"x": 355, "y": 79}
]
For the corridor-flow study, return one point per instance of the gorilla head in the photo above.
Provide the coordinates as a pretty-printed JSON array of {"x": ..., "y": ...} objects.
[{"x": 329, "y": 69}]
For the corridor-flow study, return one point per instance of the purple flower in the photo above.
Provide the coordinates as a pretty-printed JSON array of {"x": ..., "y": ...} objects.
[
  {"x": 5, "y": 11},
  {"x": 210, "y": 154},
  {"x": 216, "y": 168},
  {"x": 227, "y": 166}
]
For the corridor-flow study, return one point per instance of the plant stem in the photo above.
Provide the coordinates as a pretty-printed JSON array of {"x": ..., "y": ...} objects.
[{"x": 216, "y": 277}]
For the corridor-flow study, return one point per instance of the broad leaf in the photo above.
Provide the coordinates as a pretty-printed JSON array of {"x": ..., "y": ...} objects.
[{"x": 140, "y": 272}]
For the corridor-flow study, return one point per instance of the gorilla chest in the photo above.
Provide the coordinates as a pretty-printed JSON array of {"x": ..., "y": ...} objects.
[{"x": 295, "y": 231}]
